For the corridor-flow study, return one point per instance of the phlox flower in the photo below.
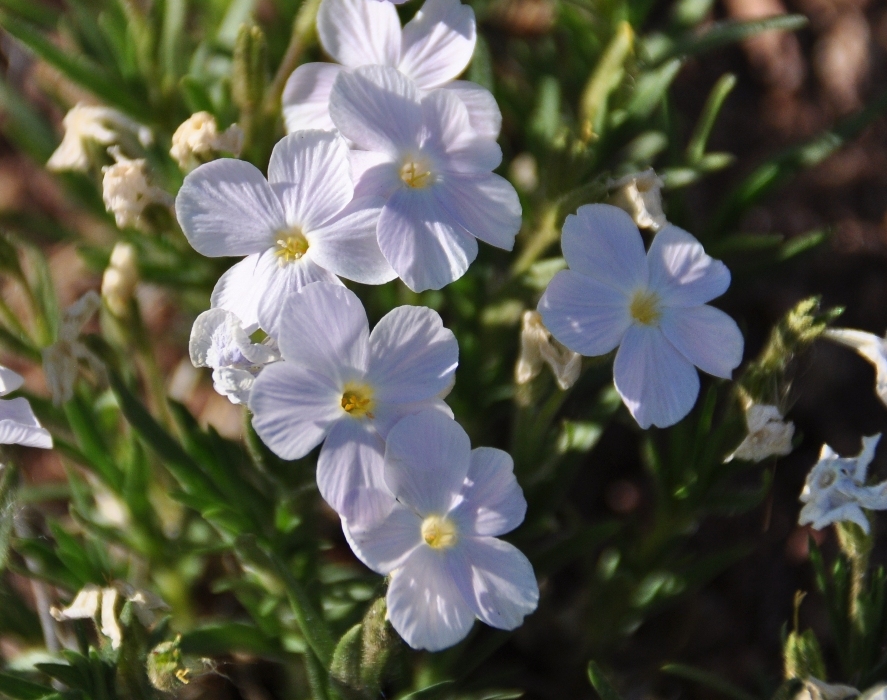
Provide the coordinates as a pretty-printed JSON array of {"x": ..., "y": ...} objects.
[
  {"x": 438, "y": 539},
  {"x": 870, "y": 346},
  {"x": 347, "y": 386},
  {"x": 652, "y": 306},
  {"x": 301, "y": 225},
  {"x": 432, "y": 49},
  {"x": 18, "y": 424},
  {"x": 219, "y": 341},
  {"x": 835, "y": 489},
  {"x": 432, "y": 169},
  {"x": 61, "y": 360}
]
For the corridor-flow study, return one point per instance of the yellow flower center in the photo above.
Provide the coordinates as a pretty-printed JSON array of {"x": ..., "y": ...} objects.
[
  {"x": 438, "y": 532},
  {"x": 291, "y": 245},
  {"x": 645, "y": 307},
  {"x": 357, "y": 400},
  {"x": 416, "y": 174}
]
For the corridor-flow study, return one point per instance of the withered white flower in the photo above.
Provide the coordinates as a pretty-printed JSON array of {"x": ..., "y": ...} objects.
[
  {"x": 126, "y": 190},
  {"x": 120, "y": 278},
  {"x": 537, "y": 347},
  {"x": 815, "y": 689},
  {"x": 61, "y": 359},
  {"x": 639, "y": 195},
  {"x": 872, "y": 347},
  {"x": 835, "y": 489},
  {"x": 219, "y": 341},
  {"x": 197, "y": 139},
  {"x": 768, "y": 434},
  {"x": 84, "y": 123}
]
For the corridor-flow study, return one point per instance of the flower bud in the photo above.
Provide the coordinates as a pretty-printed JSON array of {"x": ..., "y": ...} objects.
[
  {"x": 126, "y": 190},
  {"x": 120, "y": 279},
  {"x": 197, "y": 139}
]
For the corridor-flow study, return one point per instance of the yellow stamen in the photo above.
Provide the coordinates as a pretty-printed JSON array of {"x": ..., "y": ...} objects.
[
  {"x": 357, "y": 401},
  {"x": 416, "y": 174},
  {"x": 292, "y": 245},
  {"x": 645, "y": 307},
  {"x": 438, "y": 532}
]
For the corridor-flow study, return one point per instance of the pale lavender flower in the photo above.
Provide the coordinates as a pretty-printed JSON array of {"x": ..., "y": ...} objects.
[
  {"x": 432, "y": 49},
  {"x": 18, "y": 424},
  {"x": 835, "y": 489},
  {"x": 445, "y": 507},
  {"x": 433, "y": 171},
  {"x": 342, "y": 384},
  {"x": 302, "y": 225},
  {"x": 652, "y": 306}
]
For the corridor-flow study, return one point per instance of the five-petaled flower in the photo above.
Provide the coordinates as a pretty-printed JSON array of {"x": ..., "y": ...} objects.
[
  {"x": 652, "y": 306},
  {"x": 445, "y": 507}
]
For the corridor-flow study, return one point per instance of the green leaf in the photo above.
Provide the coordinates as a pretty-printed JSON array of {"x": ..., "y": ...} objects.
[
  {"x": 8, "y": 500},
  {"x": 74, "y": 66},
  {"x": 432, "y": 692},
  {"x": 34, "y": 12},
  {"x": 20, "y": 689},
  {"x": 84, "y": 424},
  {"x": 716, "y": 98},
  {"x": 600, "y": 683},
  {"x": 25, "y": 126},
  {"x": 607, "y": 76},
  {"x": 650, "y": 89},
  {"x": 709, "y": 680},
  {"x": 227, "y": 638},
  {"x": 730, "y": 32}
]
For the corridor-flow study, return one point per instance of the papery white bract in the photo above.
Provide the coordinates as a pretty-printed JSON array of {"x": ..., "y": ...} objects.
[
  {"x": 652, "y": 306},
  {"x": 302, "y": 225},
  {"x": 61, "y": 360},
  {"x": 432, "y": 169},
  {"x": 103, "y": 125},
  {"x": 639, "y": 195},
  {"x": 835, "y": 489},
  {"x": 219, "y": 341},
  {"x": 537, "y": 347},
  {"x": 438, "y": 537},
  {"x": 347, "y": 386},
  {"x": 18, "y": 424},
  {"x": 768, "y": 434},
  {"x": 432, "y": 49},
  {"x": 872, "y": 347}
]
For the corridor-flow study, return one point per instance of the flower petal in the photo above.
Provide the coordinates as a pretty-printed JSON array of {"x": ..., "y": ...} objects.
[
  {"x": 359, "y": 33},
  {"x": 283, "y": 284},
  {"x": 311, "y": 174},
  {"x": 494, "y": 502},
  {"x": 450, "y": 137},
  {"x": 293, "y": 408},
  {"x": 426, "y": 460},
  {"x": 240, "y": 289},
  {"x": 656, "y": 382},
  {"x": 388, "y": 414},
  {"x": 9, "y": 381},
  {"x": 438, "y": 42},
  {"x": 420, "y": 240},
  {"x": 325, "y": 329},
  {"x": 681, "y": 272},
  {"x": 602, "y": 242},
  {"x": 424, "y": 603},
  {"x": 351, "y": 461},
  {"x": 375, "y": 174},
  {"x": 496, "y": 580},
  {"x": 377, "y": 108},
  {"x": 486, "y": 206},
  {"x": 228, "y": 208},
  {"x": 19, "y": 425},
  {"x": 306, "y": 97},
  {"x": 484, "y": 115},
  {"x": 347, "y": 244},
  {"x": 585, "y": 315},
  {"x": 706, "y": 336},
  {"x": 412, "y": 356},
  {"x": 383, "y": 543}
]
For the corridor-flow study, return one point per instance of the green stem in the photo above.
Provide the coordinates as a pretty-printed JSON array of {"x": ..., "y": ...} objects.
[{"x": 303, "y": 28}]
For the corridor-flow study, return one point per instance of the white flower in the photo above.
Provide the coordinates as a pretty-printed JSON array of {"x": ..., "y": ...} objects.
[
  {"x": 433, "y": 170},
  {"x": 835, "y": 489},
  {"x": 126, "y": 191},
  {"x": 61, "y": 359},
  {"x": 537, "y": 347},
  {"x": 219, "y": 341},
  {"x": 815, "y": 689},
  {"x": 768, "y": 434},
  {"x": 651, "y": 306},
  {"x": 198, "y": 138},
  {"x": 297, "y": 227},
  {"x": 120, "y": 278},
  {"x": 639, "y": 195},
  {"x": 18, "y": 424},
  {"x": 103, "y": 125},
  {"x": 872, "y": 347},
  {"x": 347, "y": 385},
  {"x": 438, "y": 540},
  {"x": 432, "y": 49}
]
